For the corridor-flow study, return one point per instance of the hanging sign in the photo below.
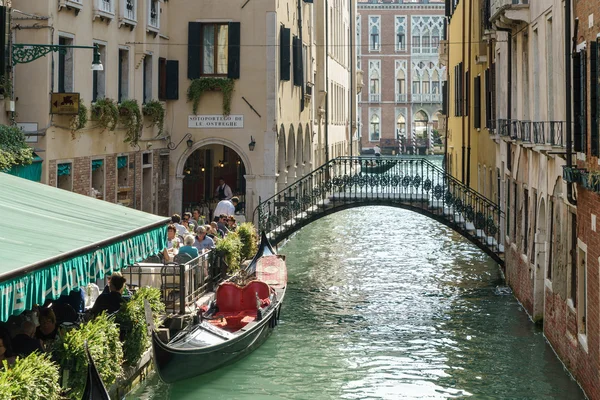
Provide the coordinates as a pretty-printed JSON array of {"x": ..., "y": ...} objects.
[
  {"x": 216, "y": 121},
  {"x": 64, "y": 103}
]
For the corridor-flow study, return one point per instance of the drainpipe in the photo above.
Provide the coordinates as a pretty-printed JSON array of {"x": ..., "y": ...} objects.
[
  {"x": 326, "y": 81},
  {"x": 569, "y": 131},
  {"x": 468, "y": 95},
  {"x": 462, "y": 79}
]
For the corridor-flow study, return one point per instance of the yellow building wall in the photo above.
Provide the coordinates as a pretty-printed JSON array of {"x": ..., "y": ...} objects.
[{"x": 466, "y": 44}]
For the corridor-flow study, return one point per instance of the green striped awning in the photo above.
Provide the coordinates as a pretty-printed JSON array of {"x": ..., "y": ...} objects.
[{"x": 53, "y": 241}]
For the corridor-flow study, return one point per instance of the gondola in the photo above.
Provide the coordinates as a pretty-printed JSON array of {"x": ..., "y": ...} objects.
[
  {"x": 376, "y": 166},
  {"x": 239, "y": 320},
  {"x": 94, "y": 387}
]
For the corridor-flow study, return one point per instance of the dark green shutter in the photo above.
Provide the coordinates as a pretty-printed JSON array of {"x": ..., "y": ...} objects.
[
  {"x": 233, "y": 65},
  {"x": 308, "y": 1},
  {"x": 594, "y": 98},
  {"x": 172, "y": 80},
  {"x": 467, "y": 92},
  {"x": 577, "y": 145},
  {"x": 488, "y": 99},
  {"x": 194, "y": 49},
  {"x": 284, "y": 53},
  {"x": 297, "y": 55},
  {"x": 444, "y": 98},
  {"x": 477, "y": 102}
]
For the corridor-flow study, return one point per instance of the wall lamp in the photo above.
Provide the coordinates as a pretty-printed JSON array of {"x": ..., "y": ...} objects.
[
  {"x": 252, "y": 144},
  {"x": 26, "y": 53},
  {"x": 173, "y": 146}
]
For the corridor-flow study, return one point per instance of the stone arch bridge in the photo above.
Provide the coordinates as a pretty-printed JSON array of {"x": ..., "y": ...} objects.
[{"x": 413, "y": 184}]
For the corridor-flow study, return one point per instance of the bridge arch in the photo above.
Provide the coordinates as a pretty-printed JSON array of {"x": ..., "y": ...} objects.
[{"x": 408, "y": 183}]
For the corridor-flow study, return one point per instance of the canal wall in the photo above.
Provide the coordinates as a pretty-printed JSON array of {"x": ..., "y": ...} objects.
[{"x": 519, "y": 277}]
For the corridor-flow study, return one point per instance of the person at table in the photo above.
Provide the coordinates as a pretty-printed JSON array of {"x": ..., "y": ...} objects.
[
  {"x": 111, "y": 301},
  {"x": 5, "y": 349},
  {"x": 48, "y": 328},
  {"x": 181, "y": 230},
  {"x": 188, "y": 247},
  {"x": 188, "y": 222},
  {"x": 25, "y": 342},
  {"x": 231, "y": 225},
  {"x": 223, "y": 224},
  {"x": 202, "y": 241},
  {"x": 196, "y": 217},
  {"x": 226, "y": 207},
  {"x": 223, "y": 191}
]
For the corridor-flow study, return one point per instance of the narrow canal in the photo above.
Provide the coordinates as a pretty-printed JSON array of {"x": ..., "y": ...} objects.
[{"x": 387, "y": 304}]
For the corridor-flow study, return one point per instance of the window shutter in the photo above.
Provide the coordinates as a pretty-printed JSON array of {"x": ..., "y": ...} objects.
[
  {"x": 456, "y": 94},
  {"x": 444, "y": 98},
  {"x": 233, "y": 65},
  {"x": 467, "y": 92},
  {"x": 448, "y": 8},
  {"x": 194, "y": 49},
  {"x": 162, "y": 78},
  {"x": 298, "y": 64},
  {"x": 577, "y": 145},
  {"x": 308, "y": 1},
  {"x": 284, "y": 53},
  {"x": 488, "y": 99},
  {"x": 172, "y": 80},
  {"x": 477, "y": 102},
  {"x": 594, "y": 98}
]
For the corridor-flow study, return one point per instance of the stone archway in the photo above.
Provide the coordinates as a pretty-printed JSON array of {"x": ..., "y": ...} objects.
[{"x": 177, "y": 187}]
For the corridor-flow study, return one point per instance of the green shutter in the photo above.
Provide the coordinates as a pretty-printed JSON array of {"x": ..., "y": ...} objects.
[
  {"x": 284, "y": 53},
  {"x": 297, "y": 55},
  {"x": 194, "y": 49},
  {"x": 445, "y": 98},
  {"x": 577, "y": 145},
  {"x": 477, "y": 102},
  {"x": 172, "y": 92},
  {"x": 233, "y": 62},
  {"x": 594, "y": 98}
]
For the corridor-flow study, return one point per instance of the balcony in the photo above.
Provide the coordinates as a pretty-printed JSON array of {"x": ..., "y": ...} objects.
[
  {"x": 401, "y": 97},
  {"x": 153, "y": 17},
  {"x": 75, "y": 5},
  {"x": 538, "y": 133},
  {"x": 104, "y": 9},
  {"x": 128, "y": 13},
  {"x": 443, "y": 52},
  {"x": 374, "y": 98},
  {"x": 506, "y": 12},
  {"x": 426, "y": 98}
]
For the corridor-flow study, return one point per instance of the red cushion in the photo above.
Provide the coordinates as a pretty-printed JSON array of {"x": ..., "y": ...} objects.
[
  {"x": 250, "y": 290},
  {"x": 231, "y": 297}
]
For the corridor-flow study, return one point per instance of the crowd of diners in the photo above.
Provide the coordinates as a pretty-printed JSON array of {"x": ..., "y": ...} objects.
[
  {"x": 191, "y": 235},
  {"x": 37, "y": 329}
]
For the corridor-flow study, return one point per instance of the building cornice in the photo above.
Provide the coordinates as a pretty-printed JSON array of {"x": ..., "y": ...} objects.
[{"x": 407, "y": 7}]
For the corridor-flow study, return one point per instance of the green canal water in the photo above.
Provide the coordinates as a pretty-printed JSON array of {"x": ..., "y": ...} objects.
[{"x": 384, "y": 303}]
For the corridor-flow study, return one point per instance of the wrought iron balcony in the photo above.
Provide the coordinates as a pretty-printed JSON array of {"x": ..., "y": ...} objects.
[
  {"x": 509, "y": 10},
  {"x": 424, "y": 98},
  {"x": 549, "y": 133}
]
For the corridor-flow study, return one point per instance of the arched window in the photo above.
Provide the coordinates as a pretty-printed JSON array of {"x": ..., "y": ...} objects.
[
  {"x": 374, "y": 39},
  {"x": 374, "y": 84},
  {"x": 401, "y": 82},
  {"x": 401, "y": 126},
  {"x": 420, "y": 124},
  {"x": 374, "y": 128},
  {"x": 435, "y": 83}
]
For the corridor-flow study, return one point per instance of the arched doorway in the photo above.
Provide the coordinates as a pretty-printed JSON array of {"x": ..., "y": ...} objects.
[
  {"x": 201, "y": 173},
  {"x": 420, "y": 130}
]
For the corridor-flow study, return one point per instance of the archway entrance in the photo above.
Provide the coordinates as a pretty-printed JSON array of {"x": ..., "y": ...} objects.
[
  {"x": 201, "y": 174},
  {"x": 420, "y": 131}
]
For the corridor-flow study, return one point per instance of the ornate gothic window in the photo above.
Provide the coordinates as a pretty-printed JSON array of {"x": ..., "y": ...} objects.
[
  {"x": 374, "y": 128},
  {"x": 374, "y": 43},
  {"x": 400, "y": 33},
  {"x": 426, "y": 33}
]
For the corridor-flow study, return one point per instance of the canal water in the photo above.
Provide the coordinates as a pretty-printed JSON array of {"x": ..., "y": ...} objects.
[{"x": 384, "y": 303}]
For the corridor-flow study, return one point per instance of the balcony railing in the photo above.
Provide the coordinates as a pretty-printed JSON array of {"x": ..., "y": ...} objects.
[
  {"x": 426, "y": 98},
  {"x": 401, "y": 97},
  {"x": 106, "y": 6},
  {"x": 375, "y": 98},
  {"x": 154, "y": 16},
  {"x": 549, "y": 133}
]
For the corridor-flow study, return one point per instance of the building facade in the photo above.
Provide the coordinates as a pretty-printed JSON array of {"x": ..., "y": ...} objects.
[
  {"x": 401, "y": 103},
  {"x": 256, "y": 94},
  {"x": 469, "y": 106}
]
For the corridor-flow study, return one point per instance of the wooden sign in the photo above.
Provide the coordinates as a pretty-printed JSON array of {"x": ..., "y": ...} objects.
[{"x": 64, "y": 103}]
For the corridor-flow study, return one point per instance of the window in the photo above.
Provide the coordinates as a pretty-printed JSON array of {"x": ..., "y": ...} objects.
[
  {"x": 64, "y": 177},
  {"x": 123, "y": 75},
  {"x": 533, "y": 226},
  {"x": 122, "y": 171},
  {"x": 526, "y": 221},
  {"x": 579, "y": 101},
  {"x": 525, "y": 77},
  {"x": 374, "y": 81},
  {"x": 574, "y": 266},
  {"x": 477, "y": 102},
  {"x": 550, "y": 242},
  {"x": 550, "y": 69},
  {"x": 507, "y": 206},
  {"x": 99, "y": 77},
  {"x": 400, "y": 127},
  {"x": 168, "y": 79},
  {"x": 162, "y": 78},
  {"x": 154, "y": 15},
  {"x": 97, "y": 189},
  {"x": 374, "y": 33},
  {"x": 400, "y": 33},
  {"x": 374, "y": 128},
  {"x": 214, "y": 49},
  {"x": 285, "y": 58},
  {"x": 515, "y": 210},
  {"x": 467, "y": 93},
  {"x": 106, "y": 6},
  {"x": 65, "y": 66},
  {"x": 426, "y": 33},
  {"x": 582, "y": 290},
  {"x": 147, "y": 78},
  {"x": 594, "y": 94},
  {"x": 129, "y": 10}
]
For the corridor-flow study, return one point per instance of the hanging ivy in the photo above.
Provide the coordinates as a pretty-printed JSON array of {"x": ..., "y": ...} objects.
[
  {"x": 156, "y": 111},
  {"x": 80, "y": 120},
  {"x": 201, "y": 85},
  {"x": 13, "y": 148},
  {"x": 131, "y": 118},
  {"x": 105, "y": 111}
]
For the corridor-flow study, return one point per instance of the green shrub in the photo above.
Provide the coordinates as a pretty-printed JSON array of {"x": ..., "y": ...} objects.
[
  {"x": 34, "y": 377},
  {"x": 132, "y": 321},
  {"x": 230, "y": 248},
  {"x": 102, "y": 336},
  {"x": 13, "y": 148},
  {"x": 249, "y": 238}
]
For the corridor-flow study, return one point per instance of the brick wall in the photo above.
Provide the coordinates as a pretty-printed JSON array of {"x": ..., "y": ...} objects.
[{"x": 519, "y": 277}]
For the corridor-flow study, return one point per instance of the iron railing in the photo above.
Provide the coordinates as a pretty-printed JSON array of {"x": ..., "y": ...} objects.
[
  {"x": 413, "y": 183},
  {"x": 549, "y": 133}
]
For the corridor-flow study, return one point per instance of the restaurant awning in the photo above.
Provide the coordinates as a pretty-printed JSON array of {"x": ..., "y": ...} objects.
[
  {"x": 53, "y": 241},
  {"x": 32, "y": 171}
]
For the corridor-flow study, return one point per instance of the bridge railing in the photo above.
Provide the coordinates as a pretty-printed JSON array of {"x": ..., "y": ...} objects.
[{"x": 415, "y": 182}]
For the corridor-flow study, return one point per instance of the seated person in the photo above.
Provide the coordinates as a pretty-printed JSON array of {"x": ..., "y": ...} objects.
[
  {"x": 202, "y": 241},
  {"x": 188, "y": 247},
  {"x": 110, "y": 302},
  {"x": 5, "y": 349},
  {"x": 25, "y": 342},
  {"x": 48, "y": 328}
]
